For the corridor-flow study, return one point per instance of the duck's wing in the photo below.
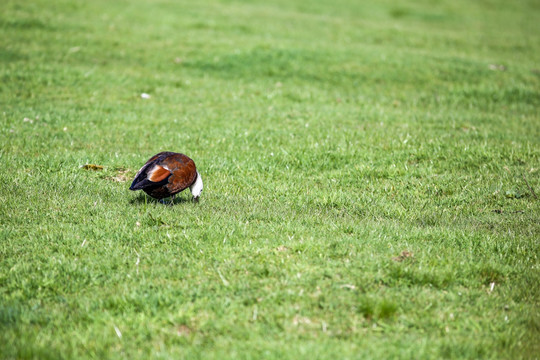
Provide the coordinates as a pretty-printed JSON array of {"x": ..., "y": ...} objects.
[{"x": 152, "y": 174}]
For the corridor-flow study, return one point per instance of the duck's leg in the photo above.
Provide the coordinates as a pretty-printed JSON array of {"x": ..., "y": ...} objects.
[{"x": 170, "y": 202}]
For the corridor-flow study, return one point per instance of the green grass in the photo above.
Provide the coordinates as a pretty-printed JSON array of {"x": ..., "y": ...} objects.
[{"x": 331, "y": 135}]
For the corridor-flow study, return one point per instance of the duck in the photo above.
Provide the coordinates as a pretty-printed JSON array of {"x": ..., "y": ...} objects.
[{"x": 166, "y": 174}]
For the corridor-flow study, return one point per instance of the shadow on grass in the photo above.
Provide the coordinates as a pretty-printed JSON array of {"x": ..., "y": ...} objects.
[{"x": 142, "y": 199}]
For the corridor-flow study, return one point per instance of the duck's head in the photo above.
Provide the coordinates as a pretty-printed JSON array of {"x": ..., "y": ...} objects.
[{"x": 197, "y": 187}]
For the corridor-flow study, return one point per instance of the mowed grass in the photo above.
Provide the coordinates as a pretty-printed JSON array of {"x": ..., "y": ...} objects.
[{"x": 371, "y": 176}]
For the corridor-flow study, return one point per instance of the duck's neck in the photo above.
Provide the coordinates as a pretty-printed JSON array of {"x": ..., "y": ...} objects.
[{"x": 197, "y": 186}]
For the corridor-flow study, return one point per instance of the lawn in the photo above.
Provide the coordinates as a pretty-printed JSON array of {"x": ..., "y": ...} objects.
[{"x": 371, "y": 176}]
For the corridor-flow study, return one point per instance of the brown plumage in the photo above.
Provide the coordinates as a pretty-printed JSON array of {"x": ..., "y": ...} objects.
[{"x": 166, "y": 174}]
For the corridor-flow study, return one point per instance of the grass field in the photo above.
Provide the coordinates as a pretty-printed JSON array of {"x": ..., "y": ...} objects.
[{"x": 371, "y": 176}]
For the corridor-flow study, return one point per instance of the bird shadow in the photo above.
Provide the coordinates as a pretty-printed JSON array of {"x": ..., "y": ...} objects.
[{"x": 143, "y": 199}]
